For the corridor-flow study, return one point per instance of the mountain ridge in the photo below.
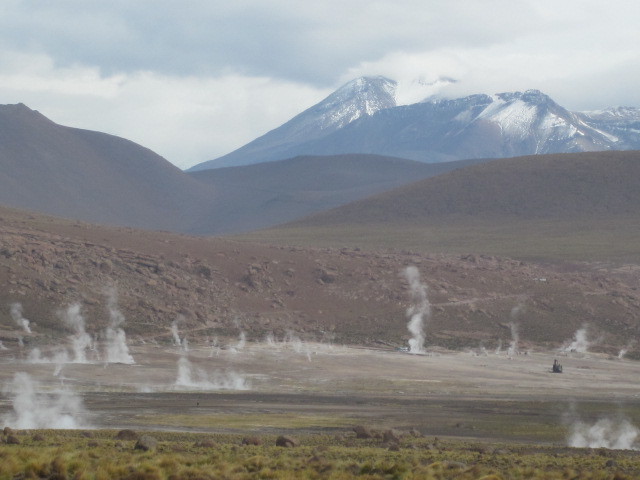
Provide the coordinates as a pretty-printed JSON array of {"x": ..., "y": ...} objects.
[
  {"x": 438, "y": 129},
  {"x": 362, "y": 96}
]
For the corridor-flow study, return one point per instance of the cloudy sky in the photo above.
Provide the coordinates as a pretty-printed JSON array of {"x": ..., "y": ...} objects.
[{"x": 195, "y": 79}]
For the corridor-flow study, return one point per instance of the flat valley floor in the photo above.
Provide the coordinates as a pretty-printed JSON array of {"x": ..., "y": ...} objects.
[{"x": 295, "y": 387}]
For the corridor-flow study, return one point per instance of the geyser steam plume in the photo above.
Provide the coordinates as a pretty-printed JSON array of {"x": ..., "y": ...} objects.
[
  {"x": 32, "y": 409},
  {"x": 80, "y": 340},
  {"x": 604, "y": 433},
  {"x": 177, "y": 341},
  {"x": 419, "y": 312},
  {"x": 580, "y": 343},
  {"x": 117, "y": 348},
  {"x": 194, "y": 378},
  {"x": 16, "y": 315}
]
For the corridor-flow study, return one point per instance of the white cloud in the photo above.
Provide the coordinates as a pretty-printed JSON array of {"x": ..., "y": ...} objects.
[
  {"x": 185, "y": 119},
  {"x": 196, "y": 79}
]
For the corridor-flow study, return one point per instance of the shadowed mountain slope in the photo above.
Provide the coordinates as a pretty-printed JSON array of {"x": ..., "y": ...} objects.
[
  {"x": 257, "y": 196},
  {"x": 91, "y": 176},
  {"x": 548, "y": 186},
  {"x": 104, "y": 179},
  {"x": 560, "y": 207}
]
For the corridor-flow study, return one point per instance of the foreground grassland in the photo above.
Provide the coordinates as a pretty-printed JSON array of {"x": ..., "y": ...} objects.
[{"x": 99, "y": 454}]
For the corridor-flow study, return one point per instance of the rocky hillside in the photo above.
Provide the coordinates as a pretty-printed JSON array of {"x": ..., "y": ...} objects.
[{"x": 219, "y": 288}]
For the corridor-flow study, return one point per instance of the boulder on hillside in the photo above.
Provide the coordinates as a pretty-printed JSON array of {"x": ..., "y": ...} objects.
[
  {"x": 362, "y": 432},
  {"x": 146, "y": 443},
  {"x": 391, "y": 436},
  {"x": 253, "y": 440},
  {"x": 285, "y": 441}
]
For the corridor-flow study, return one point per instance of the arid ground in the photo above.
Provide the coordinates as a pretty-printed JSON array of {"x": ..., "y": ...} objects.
[{"x": 291, "y": 386}]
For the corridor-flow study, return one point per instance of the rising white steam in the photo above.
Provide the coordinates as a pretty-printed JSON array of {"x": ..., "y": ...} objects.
[
  {"x": 580, "y": 343},
  {"x": 623, "y": 351},
  {"x": 515, "y": 339},
  {"x": 604, "y": 433},
  {"x": 16, "y": 315},
  {"x": 515, "y": 334},
  {"x": 117, "y": 350},
  {"x": 419, "y": 312},
  {"x": 2, "y": 347},
  {"x": 242, "y": 341},
  {"x": 295, "y": 342},
  {"x": 177, "y": 341},
  {"x": 59, "y": 358},
  {"x": 194, "y": 378},
  {"x": 80, "y": 340},
  {"x": 34, "y": 409},
  {"x": 176, "y": 335}
]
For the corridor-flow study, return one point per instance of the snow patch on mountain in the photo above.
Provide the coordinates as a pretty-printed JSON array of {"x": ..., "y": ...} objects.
[
  {"x": 515, "y": 118},
  {"x": 360, "y": 97}
]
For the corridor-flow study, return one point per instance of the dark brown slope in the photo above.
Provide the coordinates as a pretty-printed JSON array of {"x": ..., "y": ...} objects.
[
  {"x": 548, "y": 186},
  {"x": 571, "y": 206},
  {"x": 91, "y": 176},
  {"x": 257, "y": 196}
]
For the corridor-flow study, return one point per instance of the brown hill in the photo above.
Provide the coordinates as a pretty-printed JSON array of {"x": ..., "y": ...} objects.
[
  {"x": 543, "y": 186},
  {"x": 104, "y": 179},
  {"x": 571, "y": 206},
  {"x": 91, "y": 176},
  {"x": 218, "y": 288},
  {"x": 265, "y": 194}
]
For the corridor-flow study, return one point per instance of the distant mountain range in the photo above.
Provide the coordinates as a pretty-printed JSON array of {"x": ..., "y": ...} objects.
[{"x": 363, "y": 117}]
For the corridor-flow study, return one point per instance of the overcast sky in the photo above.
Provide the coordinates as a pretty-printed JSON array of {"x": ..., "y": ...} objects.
[{"x": 193, "y": 80}]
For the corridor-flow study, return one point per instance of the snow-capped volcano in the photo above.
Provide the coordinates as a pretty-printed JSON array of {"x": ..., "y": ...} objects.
[
  {"x": 359, "y": 98},
  {"x": 364, "y": 117}
]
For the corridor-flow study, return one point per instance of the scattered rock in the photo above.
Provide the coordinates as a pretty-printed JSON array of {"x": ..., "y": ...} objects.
[
  {"x": 415, "y": 433},
  {"x": 251, "y": 441},
  {"x": 38, "y": 437},
  {"x": 13, "y": 440},
  {"x": 391, "y": 436},
  {"x": 87, "y": 434},
  {"x": 126, "y": 435},
  {"x": 7, "y": 431},
  {"x": 362, "y": 432},
  {"x": 284, "y": 441},
  {"x": 146, "y": 443},
  {"x": 106, "y": 267}
]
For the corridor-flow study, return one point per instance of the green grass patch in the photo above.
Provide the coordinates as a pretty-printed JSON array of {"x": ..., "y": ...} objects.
[
  {"x": 180, "y": 456},
  {"x": 247, "y": 421}
]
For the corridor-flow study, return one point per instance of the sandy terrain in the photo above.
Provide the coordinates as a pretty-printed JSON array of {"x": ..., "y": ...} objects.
[{"x": 319, "y": 387}]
